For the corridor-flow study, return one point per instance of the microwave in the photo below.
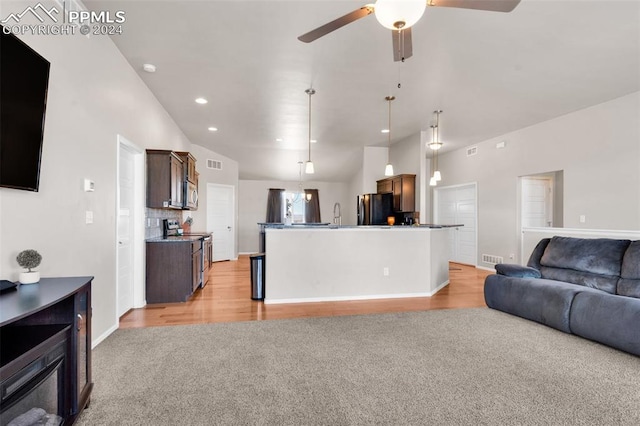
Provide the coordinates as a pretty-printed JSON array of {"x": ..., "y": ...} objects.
[{"x": 191, "y": 196}]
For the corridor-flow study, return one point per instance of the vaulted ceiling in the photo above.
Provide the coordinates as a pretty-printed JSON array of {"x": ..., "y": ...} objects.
[{"x": 491, "y": 73}]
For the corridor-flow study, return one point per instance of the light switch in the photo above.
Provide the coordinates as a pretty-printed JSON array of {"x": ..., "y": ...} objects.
[
  {"x": 583, "y": 218},
  {"x": 88, "y": 216},
  {"x": 89, "y": 185}
]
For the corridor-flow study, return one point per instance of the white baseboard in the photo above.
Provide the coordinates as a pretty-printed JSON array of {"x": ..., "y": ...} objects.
[
  {"x": 346, "y": 298},
  {"x": 486, "y": 269},
  {"x": 95, "y": 342}
]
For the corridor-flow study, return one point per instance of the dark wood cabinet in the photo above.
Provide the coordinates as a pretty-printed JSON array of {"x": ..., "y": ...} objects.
[
  {"x": 189, "y": 166},
  {"x": 173, "y": 270},
  {"x": 165, "y": 179},
  {"x": 403, "y": 188},
  {"x": 208, "y": 259},
  {"x": 40, "y": 323}
]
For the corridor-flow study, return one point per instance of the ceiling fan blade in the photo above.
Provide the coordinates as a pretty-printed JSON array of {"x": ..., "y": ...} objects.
[
  {"x": 335, "y": 24},
  {"x": 491, "y": 5},
  {"x": 402, "y": 46}
]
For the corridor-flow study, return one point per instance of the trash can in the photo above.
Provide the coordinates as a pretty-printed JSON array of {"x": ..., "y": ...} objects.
[{"x": 257, "y": 276}]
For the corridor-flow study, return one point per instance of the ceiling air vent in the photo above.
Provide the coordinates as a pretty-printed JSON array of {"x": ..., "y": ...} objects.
[
  {"x": 472, "y": 150},
  {"x": 214, "y": 164}
]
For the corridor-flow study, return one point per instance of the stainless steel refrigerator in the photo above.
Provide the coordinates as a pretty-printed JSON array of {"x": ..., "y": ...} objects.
[{"x": 373, "y": 209}]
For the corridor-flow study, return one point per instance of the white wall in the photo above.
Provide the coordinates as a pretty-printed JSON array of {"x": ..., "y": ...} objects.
[
  {"x": 253, "y": 205},
  {"x": 597, "y": 148},
  {"x": 405, "y": 157},
  {"x": 94, "y": 95},
  {"x": 227, "y": 176}
]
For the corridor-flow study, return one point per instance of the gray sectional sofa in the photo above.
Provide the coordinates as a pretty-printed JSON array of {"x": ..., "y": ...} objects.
[{"x": 587, "y": 287}]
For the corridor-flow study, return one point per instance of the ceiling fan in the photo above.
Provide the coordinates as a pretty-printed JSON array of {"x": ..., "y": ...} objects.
[{"x": 400, "y": 15}]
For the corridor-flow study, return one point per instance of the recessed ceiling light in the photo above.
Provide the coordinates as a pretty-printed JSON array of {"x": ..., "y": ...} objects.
[
  {"x": 201, "y": 101},
  {"x": 279, "y": 140},
  {"x": 384, "y": 131},
  {"x": 149, "y": 67},
  {"x": 313, "y": 141},
  {"x": 213, "y": 129}
]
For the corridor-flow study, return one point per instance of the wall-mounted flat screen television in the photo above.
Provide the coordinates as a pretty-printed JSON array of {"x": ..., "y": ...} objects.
[{"x": 24, "y": 80}]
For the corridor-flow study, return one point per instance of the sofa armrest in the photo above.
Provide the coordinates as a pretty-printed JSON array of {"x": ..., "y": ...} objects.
[{"x": 517, "y": 271}]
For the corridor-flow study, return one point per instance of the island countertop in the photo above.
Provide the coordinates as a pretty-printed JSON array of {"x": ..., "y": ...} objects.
[{"x": 332, "y": 226}]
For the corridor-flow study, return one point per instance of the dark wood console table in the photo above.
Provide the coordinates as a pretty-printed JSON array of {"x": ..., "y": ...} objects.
[{"x": 37, "y": 323}]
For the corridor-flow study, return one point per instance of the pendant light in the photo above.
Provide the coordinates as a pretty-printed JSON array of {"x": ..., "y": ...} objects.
[
  {"x": 388, "y": 170},
  {"x": 309, "y": 165},
  {"x": 435, "y": 145},
  {"x": 434, "y": 157}
]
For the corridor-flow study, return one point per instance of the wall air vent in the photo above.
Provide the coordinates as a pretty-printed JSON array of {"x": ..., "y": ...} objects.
[
  {"x": 214, "y": 164},
  {"x": 472, "y": 150},
  {"x": 493, "y": 260}
]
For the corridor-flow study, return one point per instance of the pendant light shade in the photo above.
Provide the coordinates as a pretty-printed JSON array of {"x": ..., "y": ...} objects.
[
  {"x": 388, "y": 170},
  {"x": 399, "y": 14},
  {"x": 432, "y": 181},
  {"x": 437, "y": 176},
  {"x": 308, "y": 169}
]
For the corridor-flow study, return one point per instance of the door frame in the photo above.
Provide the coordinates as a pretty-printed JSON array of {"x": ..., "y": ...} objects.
[
  {"x": 234, "y": 221},
  {"x": 436, "y": 201},
  {"x": 137, "y": 222}
]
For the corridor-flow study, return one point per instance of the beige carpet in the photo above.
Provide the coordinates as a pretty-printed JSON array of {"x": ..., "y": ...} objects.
[{"x": 448, "y": 367}]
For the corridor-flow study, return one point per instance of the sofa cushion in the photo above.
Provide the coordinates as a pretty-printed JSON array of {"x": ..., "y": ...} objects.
[
  {"x": 545, "y": 301},
  {"x": 600, "y": 256},
  {"x": 538, "y": 251},
  {"x": 600, "y": 282},
  {"x": 512, "y": 270},
  {"x": 608, "y": 319},
  {"x": 629, "y": 284}
]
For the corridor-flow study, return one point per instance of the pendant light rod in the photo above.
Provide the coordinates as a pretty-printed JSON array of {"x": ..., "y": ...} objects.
[
  {"x": 388, "y": 170},
  {"x": 309, "y": 167}
]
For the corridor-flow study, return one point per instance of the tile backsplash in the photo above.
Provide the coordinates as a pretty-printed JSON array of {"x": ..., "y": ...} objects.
[{"x": 153, "y": 220}]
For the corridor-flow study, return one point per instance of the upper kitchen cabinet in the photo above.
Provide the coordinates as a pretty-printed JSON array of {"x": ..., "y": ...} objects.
[
  {"x": 165, "y": 179},
  {"x": 403, "y": 188},
  {"x": 190, "y": 184},
  {"x": 189, "y": 166}
]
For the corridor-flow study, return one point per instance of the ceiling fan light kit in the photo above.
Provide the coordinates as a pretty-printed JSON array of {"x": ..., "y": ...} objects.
[{"x": 399, "y": 14}]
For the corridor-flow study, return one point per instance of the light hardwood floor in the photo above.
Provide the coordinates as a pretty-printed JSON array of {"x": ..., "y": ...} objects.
[{"x": 227, "y": 298}]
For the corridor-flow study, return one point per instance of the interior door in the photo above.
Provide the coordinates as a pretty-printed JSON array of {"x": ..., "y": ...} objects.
[
  {"x": 458, "y": 205},
  {"x": 220, "y": 220},
  {"x": 126, "y": 185},
  {"x": 537, "y": 202}
]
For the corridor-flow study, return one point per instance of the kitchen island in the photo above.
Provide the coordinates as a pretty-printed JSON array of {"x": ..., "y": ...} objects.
[{"x": 330, "y": 263}]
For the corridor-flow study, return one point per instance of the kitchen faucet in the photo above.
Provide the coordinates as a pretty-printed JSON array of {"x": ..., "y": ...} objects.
[{"x": 337, "y": 217}]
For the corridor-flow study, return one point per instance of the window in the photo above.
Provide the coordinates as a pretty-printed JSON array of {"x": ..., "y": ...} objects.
[{"x": 294, "y": 206}]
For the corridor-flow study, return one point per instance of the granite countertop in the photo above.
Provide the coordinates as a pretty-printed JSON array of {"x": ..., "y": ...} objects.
[
  {"x": 175, "y": 239},
  {"x": 332, "y": 226}
]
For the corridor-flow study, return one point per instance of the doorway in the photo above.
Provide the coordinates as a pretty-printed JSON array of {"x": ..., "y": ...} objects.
[
  {"x": 458, "y": 205},
  {"x": 129, "y": 227},
  {"x": 220, "y": 220},
  {"x": 541, "y": 200}
]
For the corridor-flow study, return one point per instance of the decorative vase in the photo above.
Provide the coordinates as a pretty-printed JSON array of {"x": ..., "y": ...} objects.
[{"x": 29, "y": 277}]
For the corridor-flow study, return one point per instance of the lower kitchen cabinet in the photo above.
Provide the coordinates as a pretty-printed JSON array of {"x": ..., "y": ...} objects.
[{"x": 173, "y": 270}]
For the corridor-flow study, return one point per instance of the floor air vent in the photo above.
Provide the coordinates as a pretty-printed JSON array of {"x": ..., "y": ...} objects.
[
  {"x": 473, "y": 150},
  {"x": 214, "y": 164},
  {"x": 494, "y": 260}
]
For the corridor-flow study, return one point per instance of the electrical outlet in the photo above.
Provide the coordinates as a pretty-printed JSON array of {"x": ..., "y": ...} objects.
[
  {"x": 88, "y": 216},
  {"x": 512, "y": 256},
  {"x": 385, "y": 271}
]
